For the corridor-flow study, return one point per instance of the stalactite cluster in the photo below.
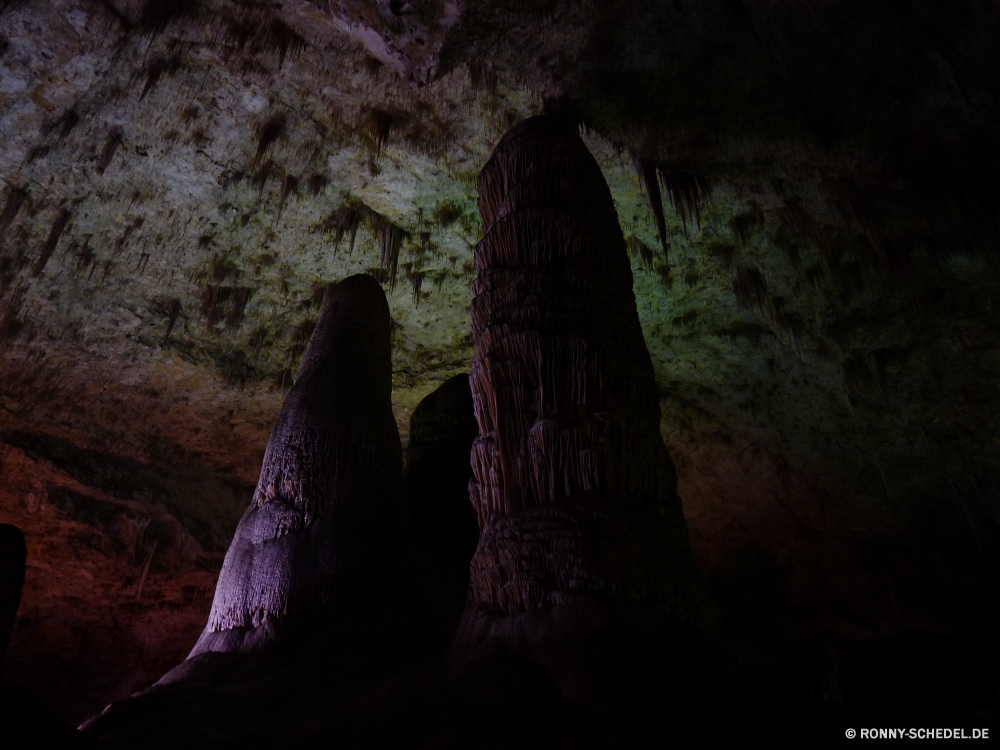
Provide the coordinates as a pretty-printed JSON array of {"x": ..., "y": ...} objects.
[
  {"x": 58, "y": 227},
  {"x": 687, "y": 187},
  {"x": 750, "y": 290},
  {"x": 442, "y": 429},
  {"x": 644, "y": 251},
  {"x": 647, "y": 174}
]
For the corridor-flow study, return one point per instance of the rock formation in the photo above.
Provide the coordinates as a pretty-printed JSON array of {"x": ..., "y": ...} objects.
[
  {"x": 315, "y": 600},
  {"x": 438, "y": 472},
  {"x": 584, "y": 559},
  {"x": 406, "y": 36},
  {"x": 13, "y": 555},
  {"x": 324, "y": 530},
  {"x": 24, "y": 720}
]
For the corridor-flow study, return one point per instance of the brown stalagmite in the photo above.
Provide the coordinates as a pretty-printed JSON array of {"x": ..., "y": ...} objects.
[
  {"x": 584, "y": 549},
  {"x": 13, "y": 555},
  {"x": 321, "y": 540}
]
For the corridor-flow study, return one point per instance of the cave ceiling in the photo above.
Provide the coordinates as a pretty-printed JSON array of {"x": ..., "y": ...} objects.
[{"x": 818, "y": 292}]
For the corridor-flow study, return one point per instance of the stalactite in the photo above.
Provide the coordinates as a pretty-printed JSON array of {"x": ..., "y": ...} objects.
[
  {"x": 345, "y": 220},
  {"x": 173, "y": 310},
  {"x": 115, "y": 138},
  {"x": 750, "y": 290},
  {"x": 349, "y": 217},
  {"x": 390, "y": 239},
  {"x": 483, "y": 78},
  {"x": 377, "y": 124},
  {"x": 743, "y": 225},
  {"x": 321, "y": 540},
  {"x": 159, "y": 67},
  {"x": 289, "y": 186},
  {"x": 268, "y": 132},
  {"x": 788, "y": 324},
  {"x": 372, "y": 66},
  {"x": 259, "y": 31},
  {"x": 644, "y": 251},
  {"x": 794, "y": 216},
  {"x": 317, "y": 183},
  {"x": 66, "y": 123},
  {"x": 156, "y": 15},
  {"x": 416, "y": 284},
  {"x": 135, "y": 224}
]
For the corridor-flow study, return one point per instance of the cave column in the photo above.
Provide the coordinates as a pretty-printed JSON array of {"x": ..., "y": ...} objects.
[{"x": 324, "y": 540}]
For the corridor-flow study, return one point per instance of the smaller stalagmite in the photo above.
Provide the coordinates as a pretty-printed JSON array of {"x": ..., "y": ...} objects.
[
  {"x": 13, "y": 554},
  {"x": 315, "y": 602},
  {"x": 584, "y": 559},
  {"x": 442, "y": 429},
  {"x": 321, "y": 542}
]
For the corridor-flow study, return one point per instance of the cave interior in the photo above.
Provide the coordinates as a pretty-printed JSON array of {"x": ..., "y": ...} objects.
[{"x": 800, "y": 200}]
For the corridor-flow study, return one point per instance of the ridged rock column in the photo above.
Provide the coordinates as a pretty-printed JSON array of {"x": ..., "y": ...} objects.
[
  {"x": 584, "y": 559},
  {"x": 323, "y": 542},
  {"x": 442, "y": 429}
]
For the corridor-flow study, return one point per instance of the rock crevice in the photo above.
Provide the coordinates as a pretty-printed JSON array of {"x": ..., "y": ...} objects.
[{"x": 583, "y": 541}]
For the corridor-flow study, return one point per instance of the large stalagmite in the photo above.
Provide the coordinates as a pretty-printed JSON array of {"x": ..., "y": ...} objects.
[
  {"x": 321, "y": 540},
  {"x": 584, "y": 559}
]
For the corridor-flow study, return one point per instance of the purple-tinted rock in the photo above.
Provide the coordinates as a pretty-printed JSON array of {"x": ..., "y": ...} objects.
[{"x": 321, "y": 541}]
